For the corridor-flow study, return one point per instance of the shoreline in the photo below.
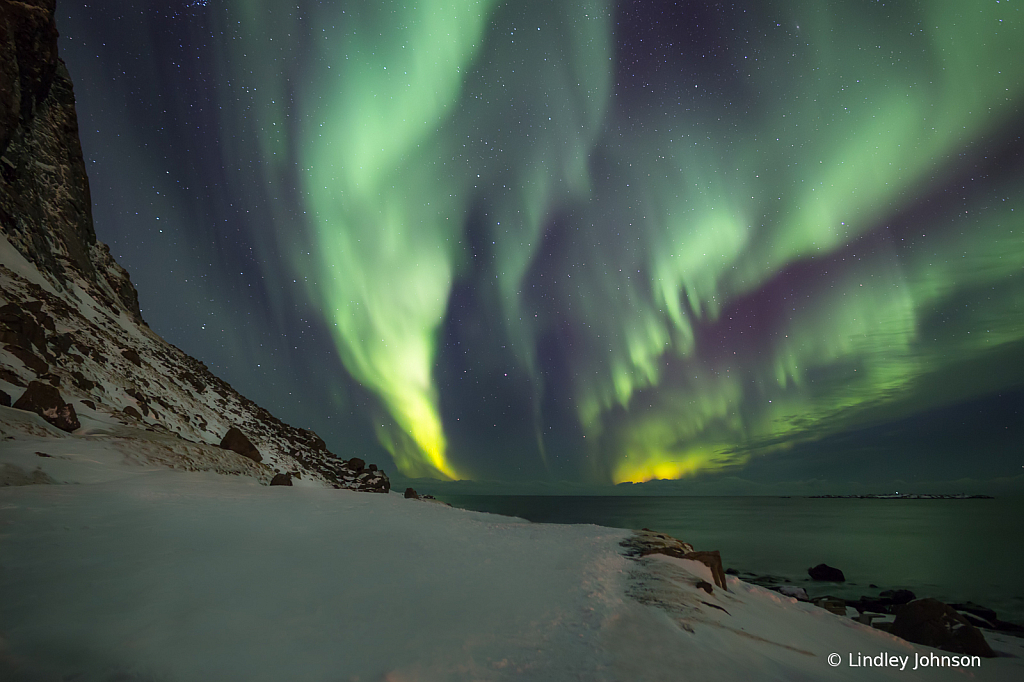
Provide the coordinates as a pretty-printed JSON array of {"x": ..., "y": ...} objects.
[{"x": 877, "y": 610}]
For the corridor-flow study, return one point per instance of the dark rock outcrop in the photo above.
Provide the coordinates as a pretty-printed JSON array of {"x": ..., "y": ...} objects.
[
  {"x": 824, "y": 572},
  {"x": 887, "y": 601},
  {"x": 932, "y": 623},
  {"x": 46, "y": 401},
  {"x": 281, "y": 479},
  {"x": 411, "y": 494},
  {"x": 646, "y": 542},
  {"x": 236, "y": 441},
  {"x": 5, "y": 399},
  {"x": 898, "y": 597},
  {"x": 30, "y": 359},
  {"x": 45, "y": 203},
  {"x": 713, "y": 560}
]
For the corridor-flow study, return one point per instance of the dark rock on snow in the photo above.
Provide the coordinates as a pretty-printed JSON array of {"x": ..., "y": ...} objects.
[
  {"x": 132, "y": 357},
  {"x": 46, "y": 401},
  {"x": 872, "y": 604},
  {"x": 713, "y": 560},
  {"x": 826, "y": 573},
  {"x": 31, "y": 360},
  {"x": 932, "y": 623},
  {"x": 356, "y": 464},
  {"x": 411, "y": 494},
  {"x": 10, "y": 377},
  {"x": 5, "y": 399},
  {"x": 281, "y": 479},
  {"x": 236, "y": 441}
]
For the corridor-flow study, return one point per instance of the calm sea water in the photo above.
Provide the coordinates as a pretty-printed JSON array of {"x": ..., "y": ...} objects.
[{"x": 953, "y": 550}]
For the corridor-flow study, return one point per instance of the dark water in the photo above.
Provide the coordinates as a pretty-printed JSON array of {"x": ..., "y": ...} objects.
[{"x": 953, "y": 550}]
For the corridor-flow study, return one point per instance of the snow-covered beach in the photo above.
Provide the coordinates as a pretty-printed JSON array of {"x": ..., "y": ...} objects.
[{"x": 128, "y": 570}]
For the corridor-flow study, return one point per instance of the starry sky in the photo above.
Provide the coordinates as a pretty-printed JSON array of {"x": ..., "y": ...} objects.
[{"x": 581, "y": 241}]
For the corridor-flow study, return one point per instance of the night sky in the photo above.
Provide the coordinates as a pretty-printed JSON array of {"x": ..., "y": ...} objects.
[{"x": 590, "y": 242}]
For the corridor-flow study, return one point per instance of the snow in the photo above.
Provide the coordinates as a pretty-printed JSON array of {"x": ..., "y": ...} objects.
[
  {"x": 12, "y": 259},
  {"x": 133, "y": 571}
]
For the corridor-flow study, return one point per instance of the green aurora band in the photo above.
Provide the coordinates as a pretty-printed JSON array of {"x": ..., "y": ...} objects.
[{"x": 741, "y": 262}]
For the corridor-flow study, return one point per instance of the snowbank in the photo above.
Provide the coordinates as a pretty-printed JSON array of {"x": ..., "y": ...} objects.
[{"x": 143, "y": 573}]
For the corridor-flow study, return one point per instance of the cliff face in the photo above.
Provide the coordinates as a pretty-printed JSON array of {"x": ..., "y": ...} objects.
[
  {"x": 69, "y": 315},
  {"x": 45, "y": 205}
]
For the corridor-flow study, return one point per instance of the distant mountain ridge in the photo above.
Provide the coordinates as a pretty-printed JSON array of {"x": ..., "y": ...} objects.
[{"x": 69, "y": 314}]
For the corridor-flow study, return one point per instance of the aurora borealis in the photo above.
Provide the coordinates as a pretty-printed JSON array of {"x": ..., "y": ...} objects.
[{"x": 578, "y": 241}]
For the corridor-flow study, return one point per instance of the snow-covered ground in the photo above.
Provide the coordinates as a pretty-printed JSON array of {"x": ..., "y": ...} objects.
[{"x": 133, "y": 571}]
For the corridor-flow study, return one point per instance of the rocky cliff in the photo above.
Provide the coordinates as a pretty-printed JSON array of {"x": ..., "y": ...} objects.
[{"x": 74, "y": 348}]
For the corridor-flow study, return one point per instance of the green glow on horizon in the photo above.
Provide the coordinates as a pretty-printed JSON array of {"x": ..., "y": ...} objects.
[{"x": 413, "y": 119}]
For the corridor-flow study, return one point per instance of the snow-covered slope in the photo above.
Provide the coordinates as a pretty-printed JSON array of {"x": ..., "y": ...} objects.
[
  {"x": 121, "y": 378},
  {"x": 69, "y": 315}
]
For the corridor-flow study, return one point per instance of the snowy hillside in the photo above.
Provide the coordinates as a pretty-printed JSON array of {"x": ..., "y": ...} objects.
[
  {"x": 70, "y": 326},
  {"x": 121, "y": 378}
]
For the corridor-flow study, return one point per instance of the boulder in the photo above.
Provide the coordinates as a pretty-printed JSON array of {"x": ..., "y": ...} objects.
[
  {"x": 281, "y": 479},
  {"x": 46, "y": 401},
  {"x": 411, "y": 494},
  {"x": 712, "y": 560},
  {"x": 356, "y": 464},
  {"x": 872, "y": 604},
  {"x": 5, "y": 399},
  {"x": 932, "y": 623},
  {"x": 132, "y": 356},
  {"x": 898, "y": 597},
  {"x": 826, "y": 573},
  {"x": 62, "y": 343},
  {"x": 10, "y": 377},
  {"x": 236, "y": 441},
  {"x": 833, "y": 605},
  {"x": 18, "y": 328},
  {"x": 30, "y": 359}
]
